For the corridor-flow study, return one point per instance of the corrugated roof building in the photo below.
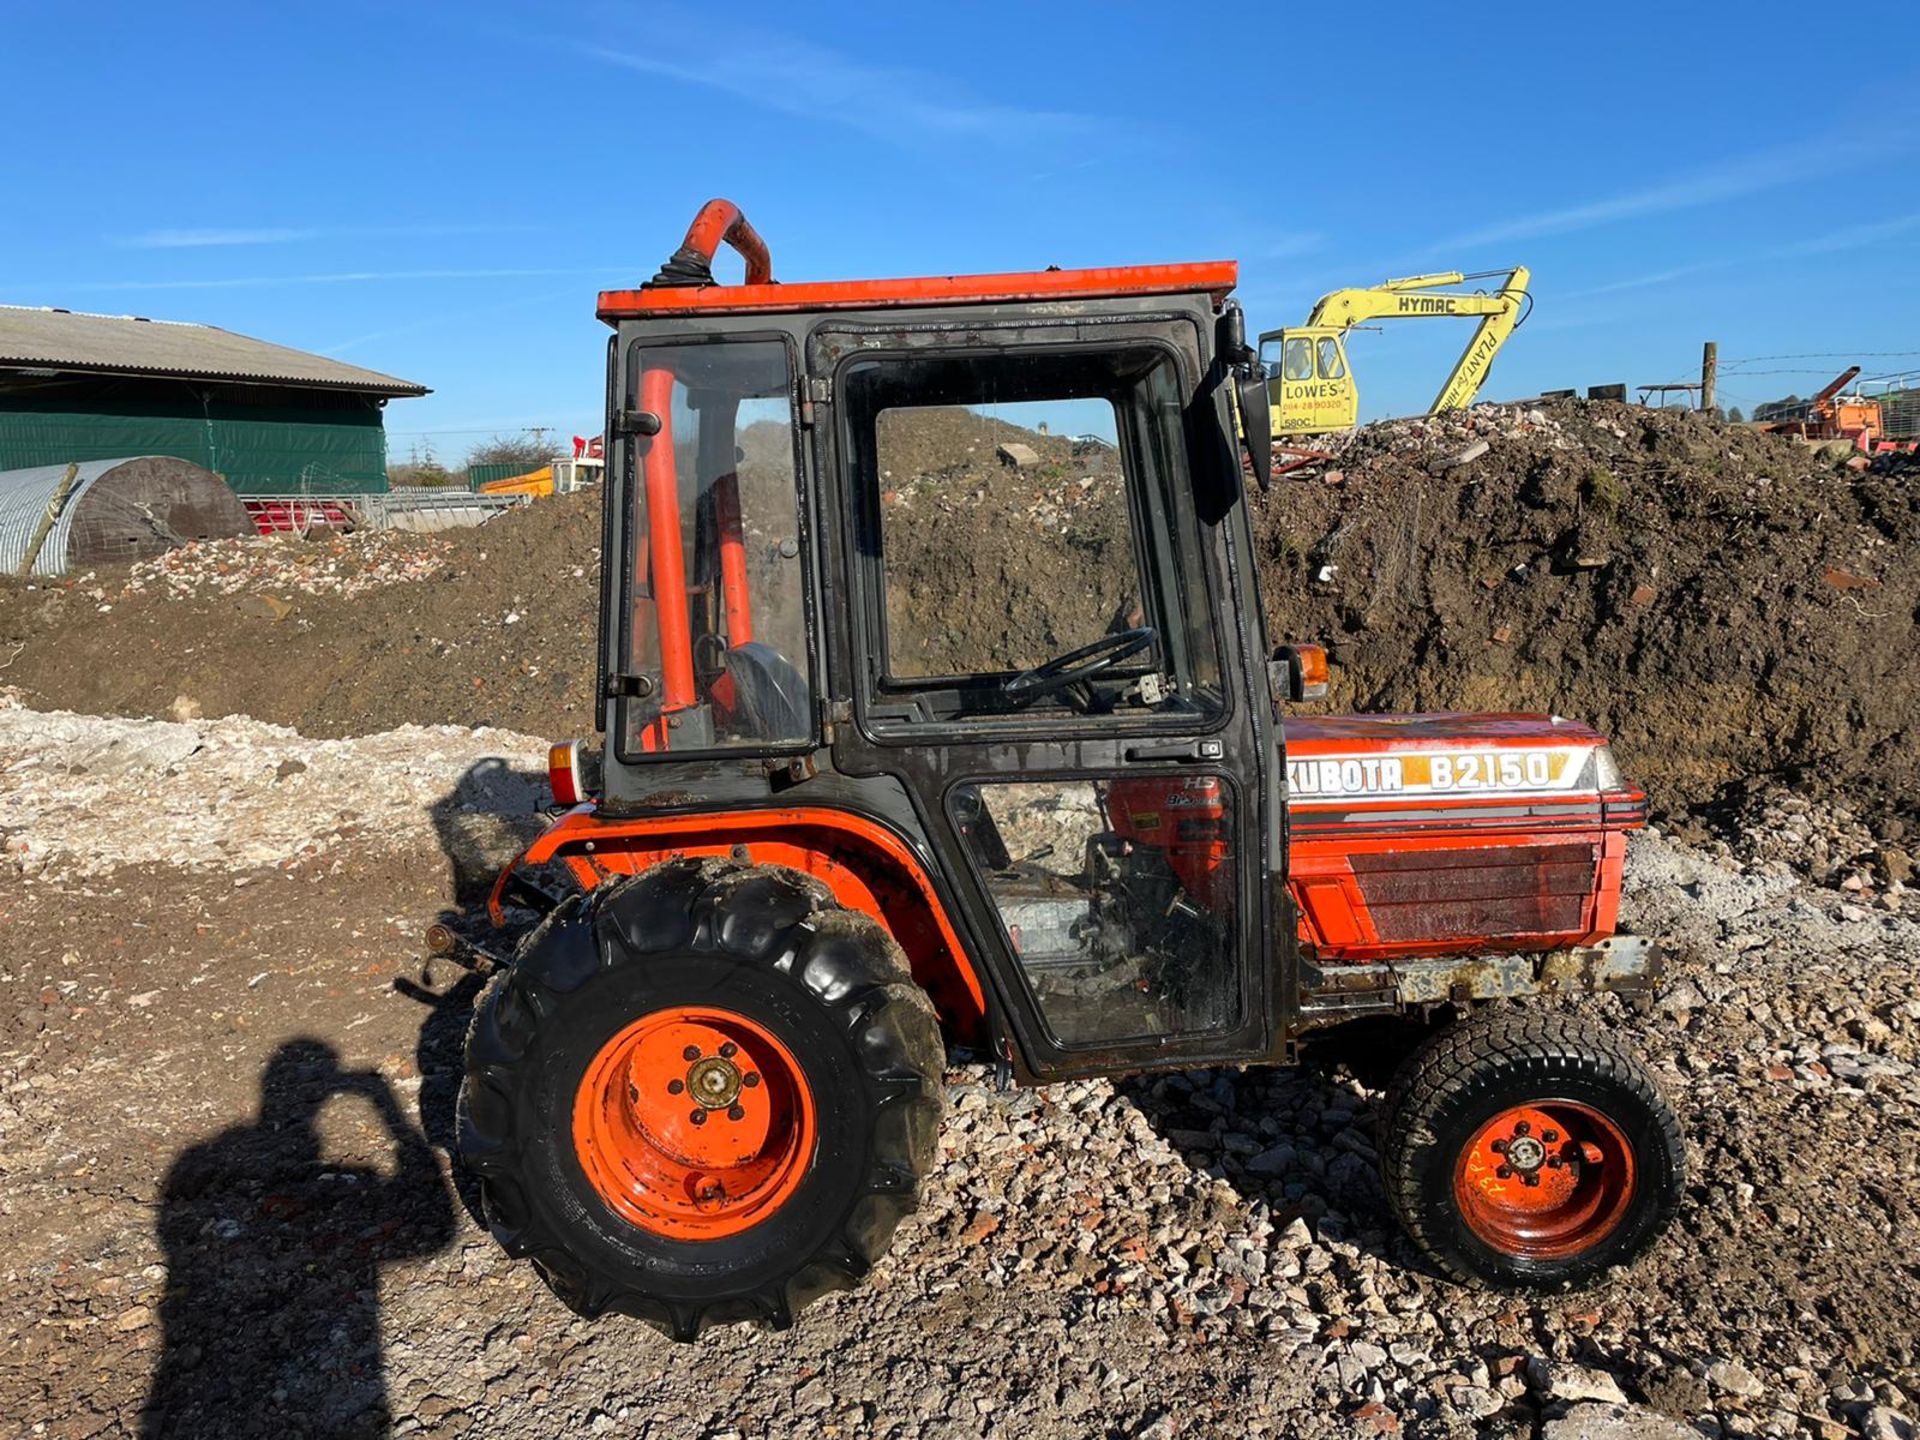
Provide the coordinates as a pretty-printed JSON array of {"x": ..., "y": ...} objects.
[{"x": 272, "y": 421}]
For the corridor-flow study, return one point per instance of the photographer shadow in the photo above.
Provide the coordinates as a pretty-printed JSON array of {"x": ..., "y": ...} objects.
[
  {"x": 275, "y": 1240},
  {"x": 274, "y": 1251}
]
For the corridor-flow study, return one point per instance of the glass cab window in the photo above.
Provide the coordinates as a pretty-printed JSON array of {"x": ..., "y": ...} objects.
[
  {"x": 1332, "y": 366},
  {"x": 1297, "y": 363},
  {"x": 1032, "y": 551},
  {"x": 715, "y": 600},
  {"x": 1116, "y": 895}
]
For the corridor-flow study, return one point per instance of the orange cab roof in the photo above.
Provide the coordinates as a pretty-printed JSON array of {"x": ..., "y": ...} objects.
[{"x": 1217, "y": 277}]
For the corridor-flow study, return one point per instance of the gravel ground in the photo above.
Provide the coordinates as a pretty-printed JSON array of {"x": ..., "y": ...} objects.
[{"x": 225, "y": 1101}]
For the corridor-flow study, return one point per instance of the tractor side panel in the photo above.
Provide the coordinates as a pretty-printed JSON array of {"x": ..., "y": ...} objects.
[{"x": 1376, "y": 897}]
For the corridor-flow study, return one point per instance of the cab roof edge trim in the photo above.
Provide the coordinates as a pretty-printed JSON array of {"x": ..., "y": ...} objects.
[{"x": 1216, "y": 277}]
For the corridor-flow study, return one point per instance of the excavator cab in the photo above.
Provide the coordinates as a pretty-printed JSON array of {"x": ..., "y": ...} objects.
[{"x": 1309, "y": 389}]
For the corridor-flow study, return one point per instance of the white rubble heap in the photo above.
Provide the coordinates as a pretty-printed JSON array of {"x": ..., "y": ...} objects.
[{"x": 82, "y": 795}]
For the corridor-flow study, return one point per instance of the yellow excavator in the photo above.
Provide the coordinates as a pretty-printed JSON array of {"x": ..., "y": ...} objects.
[{"x": 1310, "y": 388}]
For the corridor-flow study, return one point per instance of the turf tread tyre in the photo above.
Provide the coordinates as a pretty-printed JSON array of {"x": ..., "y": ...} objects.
[
  {"x": 1499, "y": 1056},
  {"x": 758, "y": 930}
]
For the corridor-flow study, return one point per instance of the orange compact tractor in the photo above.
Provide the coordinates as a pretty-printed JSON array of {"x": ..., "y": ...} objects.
[{"x": 908, "y": 744}]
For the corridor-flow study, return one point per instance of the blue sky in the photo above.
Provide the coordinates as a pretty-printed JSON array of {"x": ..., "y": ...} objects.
[{"x": 438, "y": 190}]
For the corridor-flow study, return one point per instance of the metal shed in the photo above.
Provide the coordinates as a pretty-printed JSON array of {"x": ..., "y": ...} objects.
[
  {"x": 111, "y": 511},
  {"x": 272, "y": 420}
]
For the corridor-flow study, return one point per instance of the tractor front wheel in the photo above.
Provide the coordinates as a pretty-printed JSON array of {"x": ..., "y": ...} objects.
[
  {"x": 706, "y": 1094},
  {"x": 1526, "y": 1150}
]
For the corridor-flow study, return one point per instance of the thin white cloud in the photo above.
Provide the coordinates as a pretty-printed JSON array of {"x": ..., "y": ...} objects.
[
  {"x": 1855, "y": 237},
  {"x": 1292, "y": 246},
  {"x": 1731, "y": 180},
  {"x": 1647, "y": 281},
  {"x": 344, "y": 277},
  {"x": 799, "y": 77},
  {"x": 194, "y": 239},
  {"x": 221, "y": 236},
  {"x": 1851, "y": 237},
  {"x": 462, "y": 316}
]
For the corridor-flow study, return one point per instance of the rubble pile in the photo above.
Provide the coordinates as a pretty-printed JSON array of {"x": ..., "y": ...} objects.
[
  {"x": 348, "y": 635},
  {"x": 326, "y": 563},
  {"x": 83, "y": 795}
]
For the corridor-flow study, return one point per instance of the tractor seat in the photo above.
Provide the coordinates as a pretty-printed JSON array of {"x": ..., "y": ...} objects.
[{"x": 771, "y": 699}]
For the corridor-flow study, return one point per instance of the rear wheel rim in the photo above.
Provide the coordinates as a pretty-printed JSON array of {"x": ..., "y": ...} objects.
[
  {"x": 694, "y": 1123},
  {"x": 1545, "y": 1181}
]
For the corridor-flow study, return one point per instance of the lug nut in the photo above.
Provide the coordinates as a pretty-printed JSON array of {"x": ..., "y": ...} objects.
[
  {"x": 1505, "y": 1172},
  {"x": 736, "y": 1112},
  {"x": 1499, "y": 1147},
  {"x": 1549, "y": 1136},
  {"x": 674, "y": 1087},
  {"x": 750, "y": 1079},
  {"x": 1553, "y": 1162},
  {"x": 699, "y": 1117},
  {"x": 1532, "y": 1177},
  {"x": 692, "y": 1052},
  {"x": 1520, "y": 1127},
  {"x": 729, "y": 1050}
]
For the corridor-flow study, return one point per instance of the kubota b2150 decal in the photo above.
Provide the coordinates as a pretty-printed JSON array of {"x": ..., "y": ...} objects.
[{"x": 1489, "y": 771}]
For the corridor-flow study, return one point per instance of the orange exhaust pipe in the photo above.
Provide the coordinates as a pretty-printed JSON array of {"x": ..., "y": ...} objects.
[{"x": 719, "y": 222}]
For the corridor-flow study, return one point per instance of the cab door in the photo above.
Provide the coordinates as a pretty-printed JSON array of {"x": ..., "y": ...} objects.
[
  {"x": 1043, "y": 654},
  {"x": 1308, "y": 385}
]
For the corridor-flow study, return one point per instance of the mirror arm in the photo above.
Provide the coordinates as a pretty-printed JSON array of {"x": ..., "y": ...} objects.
[{"x": 1241, "y": 363}]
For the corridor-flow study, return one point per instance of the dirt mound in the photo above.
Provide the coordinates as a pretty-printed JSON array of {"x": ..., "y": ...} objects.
[
  {"x": 1735, "y": 610},
  {"x": 490, "y": 626},
  {"x": 1063, "y": 575}
]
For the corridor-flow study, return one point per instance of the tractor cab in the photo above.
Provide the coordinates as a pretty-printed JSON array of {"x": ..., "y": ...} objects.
[{"x": 966, "y": 557}]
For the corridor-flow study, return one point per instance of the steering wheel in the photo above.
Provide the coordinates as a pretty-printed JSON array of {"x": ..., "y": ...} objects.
[{"x": 1078, "y": 665}]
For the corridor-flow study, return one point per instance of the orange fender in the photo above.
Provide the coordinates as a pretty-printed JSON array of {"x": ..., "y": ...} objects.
[{"x": 867, "y": 866}]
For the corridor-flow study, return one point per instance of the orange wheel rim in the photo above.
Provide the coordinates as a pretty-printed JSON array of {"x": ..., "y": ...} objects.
[
  {"x": 1545, "y": 1181},
  {"x": 694, "y": 1123}
]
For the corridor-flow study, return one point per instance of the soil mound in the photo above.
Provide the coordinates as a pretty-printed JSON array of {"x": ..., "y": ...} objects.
[
  {"x": 1063, "y": 574},
  {"x": 335, "y": 636},
  {"x": 1735, "y": 610}
]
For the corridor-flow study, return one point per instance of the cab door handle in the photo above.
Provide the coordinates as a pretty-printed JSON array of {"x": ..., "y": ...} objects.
[{"x": 1191, "y": 751}]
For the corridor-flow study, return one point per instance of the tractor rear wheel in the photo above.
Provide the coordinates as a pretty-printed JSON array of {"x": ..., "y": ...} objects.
[
  {"x": 1528, "y": 1151},
  {"x": 702, "y": 1095}
]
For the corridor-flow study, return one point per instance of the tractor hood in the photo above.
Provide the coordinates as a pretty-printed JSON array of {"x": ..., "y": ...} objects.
[{"x": 1424, "y": 835}]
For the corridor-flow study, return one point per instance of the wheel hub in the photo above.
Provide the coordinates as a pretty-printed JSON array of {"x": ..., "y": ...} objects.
[
  {"x": 1526, "y": 1154},
  {"x": 694, "y": 1123},
  {"x": 713, "y": 1081},
  {"x": 1545, "y": 1180}
]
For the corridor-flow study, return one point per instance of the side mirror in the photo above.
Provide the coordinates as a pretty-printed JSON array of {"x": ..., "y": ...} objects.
[
  {"x": 1297, "y": 672},
  {"x": 1243, "y": 366},
  {"x": 1256, "y": 423}
]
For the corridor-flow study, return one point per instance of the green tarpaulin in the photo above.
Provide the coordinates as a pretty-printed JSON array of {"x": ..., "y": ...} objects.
[{"x": 335, "y": 445}]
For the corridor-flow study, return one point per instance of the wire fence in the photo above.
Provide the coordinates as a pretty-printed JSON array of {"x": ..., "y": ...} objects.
[{"x": 417, "y": 509}]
